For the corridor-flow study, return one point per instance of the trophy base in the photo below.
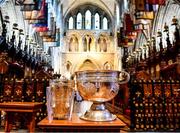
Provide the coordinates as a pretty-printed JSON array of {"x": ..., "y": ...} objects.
[{"x": 98, "y": 112}]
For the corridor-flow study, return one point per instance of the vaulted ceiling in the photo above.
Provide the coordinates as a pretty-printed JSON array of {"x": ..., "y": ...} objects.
[
  {"x": 8, "y": 8},
  {"x": 106, "y": 5}
]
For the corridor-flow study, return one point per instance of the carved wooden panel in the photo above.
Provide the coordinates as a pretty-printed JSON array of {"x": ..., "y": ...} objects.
[
  {"x": 18, "y": 90},
  {"x": 8, "y": 90},
  {"x": 29, "y": 92},
  {"x": 155, "y": 105},
  {"x": 40, "y": 96}
]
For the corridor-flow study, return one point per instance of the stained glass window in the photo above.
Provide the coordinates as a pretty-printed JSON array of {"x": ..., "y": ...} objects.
[
  {"x": 97, "y": 22},
  {"x": 83, "y": 20},
  {"x": 71, "y": 23},
  {"x": 105, "y": 23},
  {"x": 79, "y": 21},
  {"x": 88, "y": 20}
]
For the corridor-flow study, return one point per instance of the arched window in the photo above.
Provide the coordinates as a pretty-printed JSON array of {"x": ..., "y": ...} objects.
[
  {"x": 97, "y": 22},
  {"x": 71, "y": 23},
  {"x": 79, "y": 21},
  {"x": 88, "y": 20},
  {"x": 82, "y": 19},
  {"x": 105, "y": 23}
]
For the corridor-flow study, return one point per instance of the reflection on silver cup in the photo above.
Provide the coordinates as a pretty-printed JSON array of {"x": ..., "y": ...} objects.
[{"x": 99, "y": 86}]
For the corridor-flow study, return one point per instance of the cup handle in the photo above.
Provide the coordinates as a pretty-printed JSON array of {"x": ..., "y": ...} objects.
[{"x": 124, "y": 77}]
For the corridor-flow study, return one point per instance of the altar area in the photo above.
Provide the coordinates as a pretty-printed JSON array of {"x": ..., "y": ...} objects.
[
  {"x": 75, "y": 124},
  {"x": 78, "y": 125}
]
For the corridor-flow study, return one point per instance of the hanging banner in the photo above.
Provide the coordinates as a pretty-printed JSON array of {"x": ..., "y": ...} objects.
[
  {"x": 156, "y": 2},
  {"x": 51, "y": 33},
  {"x": 128, "y": 23},
  {"x": 140, "y": 5},
  {"x": 41, "y": 29},
  {"x": 30, "y": 15},
  {"x": 36, "y": 14},
  {"x": 144, "y": 15},
  {"x": 149, "y": 7},
  {"x": 41, "y": 25},
  {"x": 42, "y": 12},
  {"x": 28, "y": 5},
  {"x": 21, "y": 2}
]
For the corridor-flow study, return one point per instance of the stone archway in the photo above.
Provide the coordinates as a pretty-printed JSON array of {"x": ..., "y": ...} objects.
[
  {"x": 87, "y": 65},
  {"x": 73, "y": 43},
  {"x": 103, "y": 43}
]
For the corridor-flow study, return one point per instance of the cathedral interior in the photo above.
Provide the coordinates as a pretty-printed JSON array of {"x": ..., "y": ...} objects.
[{"x": 122, "y": 55}]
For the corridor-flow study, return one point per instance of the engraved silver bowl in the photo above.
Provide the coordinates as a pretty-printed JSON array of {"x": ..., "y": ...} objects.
[{"x": 99, "y": 86}]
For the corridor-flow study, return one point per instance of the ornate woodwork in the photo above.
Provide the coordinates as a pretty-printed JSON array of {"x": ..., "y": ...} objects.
[
  {"x": 154, "y": 86},
  {"x": 155, "y": 105},
  {"x": 162, "y": 62}
]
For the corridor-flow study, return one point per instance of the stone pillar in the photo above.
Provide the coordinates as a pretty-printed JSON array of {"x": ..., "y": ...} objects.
[
  {"x": 92, "y": 21},
  {"x": 83, "y": 21},
  {"x": 101, "y": 22},
  {"x": 74, "y": 22}
]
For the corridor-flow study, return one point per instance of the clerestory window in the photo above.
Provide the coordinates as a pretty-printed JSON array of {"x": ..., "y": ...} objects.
[
  {"x": 105, "y": 23},
  {"x": 97, "y": 21},
  {"x": 90, "y": 18},
  {"x": 79, "y": 21},
  {"x": 71, "y": 21}
]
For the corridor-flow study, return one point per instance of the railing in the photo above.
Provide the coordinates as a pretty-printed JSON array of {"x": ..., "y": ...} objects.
[{"x": 155, "y": 105}]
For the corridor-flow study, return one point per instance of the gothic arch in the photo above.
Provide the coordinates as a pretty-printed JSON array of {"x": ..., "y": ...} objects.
[
  {"x": 103, "y": 42},
  {"x": 165, "y": 15},
  {"x": 73, "y": 43},
  {"x": 88, "y": 43},
  {"x": 87, "y": 65},
  {"x": 93, "y": 9},
  {"x": 81, "y": 62},
  {"x": 68, "y": 66},
  {"x": 100, "y": 4},
  {"x": 73, "y": 35}
]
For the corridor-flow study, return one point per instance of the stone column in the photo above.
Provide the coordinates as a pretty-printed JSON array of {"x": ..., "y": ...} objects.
[
  {"x": 74, "y": 22},
  {"x": 92, "y": 21},
  {"x": 83, "y": 21},
  {"x": 101, "y": 22}
]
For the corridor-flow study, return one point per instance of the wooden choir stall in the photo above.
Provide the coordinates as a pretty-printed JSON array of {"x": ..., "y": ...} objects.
[{"x": 154, "y": 89}]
